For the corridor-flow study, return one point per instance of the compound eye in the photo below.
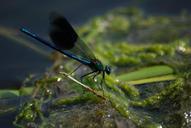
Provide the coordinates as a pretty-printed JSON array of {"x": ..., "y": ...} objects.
[{"x": 107, "y": 70}]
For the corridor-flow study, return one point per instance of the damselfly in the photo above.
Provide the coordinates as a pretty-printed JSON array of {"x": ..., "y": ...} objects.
[{"x": 66, "y": 41}]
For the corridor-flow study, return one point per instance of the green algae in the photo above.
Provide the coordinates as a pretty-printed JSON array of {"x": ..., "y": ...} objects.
[{"x": 170, "y": 91}]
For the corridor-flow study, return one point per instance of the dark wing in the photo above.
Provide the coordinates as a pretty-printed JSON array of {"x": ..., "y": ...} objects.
[{"x": 65, "y": 38}]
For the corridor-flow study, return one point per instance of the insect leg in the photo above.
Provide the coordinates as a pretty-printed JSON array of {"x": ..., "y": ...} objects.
[
  {"x": 97, "y": 73},
  {"x": 102, "y": 80},
  {"x": 76, "y": 69},
  {"x": 81, "y": 78}
]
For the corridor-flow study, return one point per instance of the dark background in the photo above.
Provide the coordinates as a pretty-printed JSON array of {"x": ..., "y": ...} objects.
[{"x": 18, "y": 61}]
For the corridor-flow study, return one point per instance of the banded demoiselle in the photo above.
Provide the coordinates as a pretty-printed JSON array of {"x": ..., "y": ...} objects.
[{"x": 66, "y": 41}]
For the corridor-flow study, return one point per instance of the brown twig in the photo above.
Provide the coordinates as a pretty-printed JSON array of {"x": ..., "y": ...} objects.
[{"x": 83, "y": 85}]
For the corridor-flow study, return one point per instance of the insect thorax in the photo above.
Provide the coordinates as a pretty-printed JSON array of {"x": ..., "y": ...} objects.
[{"x": 97, "y": 65}]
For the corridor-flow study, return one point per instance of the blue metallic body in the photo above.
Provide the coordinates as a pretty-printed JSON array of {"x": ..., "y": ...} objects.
[{"x": 67, "y": 53}]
